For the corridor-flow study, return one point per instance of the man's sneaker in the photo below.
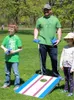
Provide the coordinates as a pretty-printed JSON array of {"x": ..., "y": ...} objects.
[
  {"x": 5, "y": 86},
  {"x": 64, "y": 91},
  {"x": 16, "y": 87},
  {"x": 70, "y": 94},
  {"x": 61, "y": 78},
  {"x": 55, "y": 75}
]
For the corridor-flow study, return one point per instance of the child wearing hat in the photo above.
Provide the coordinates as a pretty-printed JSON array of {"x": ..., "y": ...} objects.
[
  {"x": 11, "y": 45},
  {"x": 67, "y": 63}
]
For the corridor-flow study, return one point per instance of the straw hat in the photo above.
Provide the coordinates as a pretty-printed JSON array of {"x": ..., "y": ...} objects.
[{"x": 69, "y": 36}]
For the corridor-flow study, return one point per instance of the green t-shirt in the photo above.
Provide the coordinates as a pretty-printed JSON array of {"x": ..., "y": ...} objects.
[
  {"x": 12, "y": 42},
  {"x": 47, "y": 29}
]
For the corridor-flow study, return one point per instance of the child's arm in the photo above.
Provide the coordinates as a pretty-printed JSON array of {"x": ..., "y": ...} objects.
[
  {"x": 5, "y": 49},
  {"x": 61, "y": 59},
  {"x": 72, "y": 69},
  {"x": 15, "y": 51}
]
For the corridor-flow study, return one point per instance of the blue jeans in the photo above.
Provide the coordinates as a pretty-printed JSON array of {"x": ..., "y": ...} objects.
[
  {"x": 52, "y": 51},
  {"x": 14, "y": 66}
]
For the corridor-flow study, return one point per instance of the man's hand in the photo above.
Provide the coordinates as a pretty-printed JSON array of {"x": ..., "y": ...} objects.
[
  {"x": 54, "y": 41},
  {"x": 57, "y": 42},
  {"x": 36, "y": 40}
]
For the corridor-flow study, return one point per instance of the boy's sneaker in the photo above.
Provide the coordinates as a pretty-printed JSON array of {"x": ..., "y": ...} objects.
[
  {"x": 70, "y": 94},
  {"x": 5, "y": 86},
  {"x": 16, "y": 87}
]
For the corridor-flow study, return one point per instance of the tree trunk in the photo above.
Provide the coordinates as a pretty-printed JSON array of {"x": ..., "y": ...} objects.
[{"x": 72, "y": 25}]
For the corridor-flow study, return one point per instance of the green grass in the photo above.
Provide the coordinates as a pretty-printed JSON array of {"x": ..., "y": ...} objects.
[{"x": 29, "y": 64}]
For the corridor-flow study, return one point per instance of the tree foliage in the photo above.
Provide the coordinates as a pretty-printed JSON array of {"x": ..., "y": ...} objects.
[
  {"x": 65, "y": 11},
  {"x": 27, "y": 11}
]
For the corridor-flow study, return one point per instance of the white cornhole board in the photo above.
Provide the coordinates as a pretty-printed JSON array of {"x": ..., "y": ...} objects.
[{"x": 38, "y": 85}]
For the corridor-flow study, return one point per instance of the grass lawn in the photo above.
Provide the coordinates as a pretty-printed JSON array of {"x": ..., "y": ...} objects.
[{"x": 29, "y": 64}]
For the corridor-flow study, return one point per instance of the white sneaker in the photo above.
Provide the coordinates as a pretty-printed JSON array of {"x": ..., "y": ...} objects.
[
  {"x": 70, "y": 94},
  {"x": 64, "y": 91},
  {"x": 5, "y": 86},
  {"x": 16, "y": 87}
]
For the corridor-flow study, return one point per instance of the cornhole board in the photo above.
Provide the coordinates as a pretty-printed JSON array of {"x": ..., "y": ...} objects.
[{"x": 38, "y": 85}]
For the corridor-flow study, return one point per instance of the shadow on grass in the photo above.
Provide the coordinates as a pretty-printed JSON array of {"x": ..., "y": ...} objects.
[
  {"x": 48, "y": 72},
  {"x": 58, "y": 86},
  {"x": 21, "y": 82}
]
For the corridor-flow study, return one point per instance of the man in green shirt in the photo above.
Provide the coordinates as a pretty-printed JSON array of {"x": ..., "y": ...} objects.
[
  {"x": 12, "y": 46},
  {"x": 46, "y": 30}
]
